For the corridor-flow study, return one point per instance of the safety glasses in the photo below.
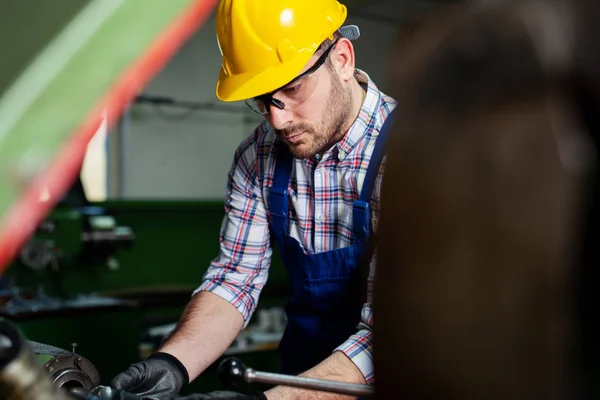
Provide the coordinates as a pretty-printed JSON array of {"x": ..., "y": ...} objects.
[{"x": 292, "y": 94}]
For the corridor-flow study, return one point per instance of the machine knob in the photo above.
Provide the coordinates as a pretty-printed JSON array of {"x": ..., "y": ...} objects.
[{"x": 231, "y": 372}]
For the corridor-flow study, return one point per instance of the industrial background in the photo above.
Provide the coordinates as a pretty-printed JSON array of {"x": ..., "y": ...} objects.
[
  {"x": 109, "y": 271},
  {"x": 162, "y": 151}
]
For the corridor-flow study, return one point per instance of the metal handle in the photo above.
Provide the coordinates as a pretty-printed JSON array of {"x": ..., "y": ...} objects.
[{"x": 232, "y": 371}]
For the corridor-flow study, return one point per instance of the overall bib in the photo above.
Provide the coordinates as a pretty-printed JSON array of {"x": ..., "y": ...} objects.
[{"x": 326, "y": 301}]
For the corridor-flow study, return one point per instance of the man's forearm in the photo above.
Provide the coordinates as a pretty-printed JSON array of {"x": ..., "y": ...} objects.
[
  {"x": 336, "y": 367},
  {"x": 208, "y": 325}
]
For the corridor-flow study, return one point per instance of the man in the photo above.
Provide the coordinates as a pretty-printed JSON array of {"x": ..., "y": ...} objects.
[{"x": 306, "y": 180}]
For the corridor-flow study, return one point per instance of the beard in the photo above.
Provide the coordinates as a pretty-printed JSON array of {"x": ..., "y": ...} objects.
[{"x": 320, "y": 136}]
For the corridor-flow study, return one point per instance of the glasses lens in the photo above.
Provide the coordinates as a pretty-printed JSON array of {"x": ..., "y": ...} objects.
[
  {"x": 297, "y": 92},
  {"x": 293, "y": 94}
]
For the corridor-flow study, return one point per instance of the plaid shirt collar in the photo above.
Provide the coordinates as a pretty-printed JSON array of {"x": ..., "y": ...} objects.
[{"x": 364, "y": 123}]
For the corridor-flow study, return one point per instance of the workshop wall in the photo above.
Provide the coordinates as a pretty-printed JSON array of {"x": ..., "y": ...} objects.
[{"x": 171, "y": 153}]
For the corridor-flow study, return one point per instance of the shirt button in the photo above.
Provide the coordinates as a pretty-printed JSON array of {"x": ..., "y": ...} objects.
[{"x": 321, "y": 218}]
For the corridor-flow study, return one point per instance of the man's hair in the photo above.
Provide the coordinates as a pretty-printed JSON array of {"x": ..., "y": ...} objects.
[{"x": 328, "y": 42}]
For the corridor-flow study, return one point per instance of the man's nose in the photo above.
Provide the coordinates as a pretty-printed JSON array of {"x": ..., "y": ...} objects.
[{"x": 279, "y": 118}]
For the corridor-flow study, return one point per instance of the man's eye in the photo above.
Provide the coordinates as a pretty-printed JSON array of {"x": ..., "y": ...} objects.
[{"x": 292, "y": 89}]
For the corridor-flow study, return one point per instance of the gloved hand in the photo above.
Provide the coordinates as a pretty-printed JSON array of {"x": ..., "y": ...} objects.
[
  {"x": 160, "y": 377},
  {"x": 102, "y": 393},
  {"x": 224, "y": 395}
]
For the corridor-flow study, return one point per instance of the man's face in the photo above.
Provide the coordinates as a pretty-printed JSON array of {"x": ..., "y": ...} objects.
[{"x": 314, "y": 124}]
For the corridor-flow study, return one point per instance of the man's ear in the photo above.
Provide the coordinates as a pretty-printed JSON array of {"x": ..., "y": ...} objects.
[{"x": 342, "y": 58}]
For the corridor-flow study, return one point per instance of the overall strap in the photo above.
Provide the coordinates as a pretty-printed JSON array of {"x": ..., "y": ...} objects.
[
  {"x": 361, "y": 213},
  {"x": 278, "y": 192}
]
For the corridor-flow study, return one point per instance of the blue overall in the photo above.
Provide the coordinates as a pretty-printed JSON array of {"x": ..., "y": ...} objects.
[{"x": 326, "y": 301}]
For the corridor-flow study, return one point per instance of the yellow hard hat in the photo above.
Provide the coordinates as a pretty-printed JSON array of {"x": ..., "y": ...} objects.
[{"x": 265, "y": 43}]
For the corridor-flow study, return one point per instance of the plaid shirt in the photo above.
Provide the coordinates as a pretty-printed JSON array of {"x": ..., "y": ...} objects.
[{"x": 322, "y": 193}]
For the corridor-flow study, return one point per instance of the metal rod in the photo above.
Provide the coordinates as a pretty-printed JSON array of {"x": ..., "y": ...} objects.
[{"x": 353, "y": 389}]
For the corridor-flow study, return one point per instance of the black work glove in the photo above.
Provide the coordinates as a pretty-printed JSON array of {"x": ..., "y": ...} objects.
[
  {"x": 224, "y": 395},
  {"x": 102, "y": 393},
  {"x": 160, "y": 377}
]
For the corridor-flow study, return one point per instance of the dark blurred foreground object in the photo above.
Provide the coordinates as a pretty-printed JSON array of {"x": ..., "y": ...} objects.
[{"x": 488, "y": 252}]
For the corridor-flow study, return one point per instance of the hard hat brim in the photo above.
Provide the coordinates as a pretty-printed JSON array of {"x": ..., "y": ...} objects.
[{"x": 245, "y": 86}]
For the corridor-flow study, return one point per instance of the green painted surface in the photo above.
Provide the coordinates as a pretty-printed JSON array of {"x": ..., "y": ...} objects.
[
  {"x": 81, "y": 78},
  {"x": 43, "y": 358},
  {"x": 174, "y": 244},
  {"x": 21, "y": 43},
  {"x": 107, "y": 339}
]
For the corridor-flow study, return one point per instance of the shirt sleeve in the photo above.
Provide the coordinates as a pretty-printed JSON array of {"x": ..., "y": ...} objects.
[
  {"x": 359, "y": 347},
  {"x": 240, "y": 270}
]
